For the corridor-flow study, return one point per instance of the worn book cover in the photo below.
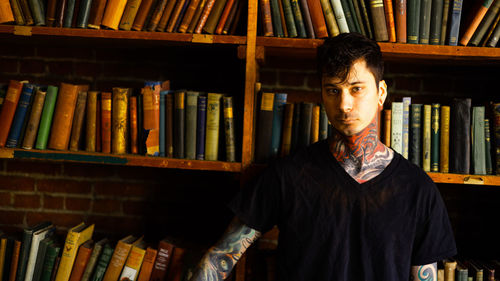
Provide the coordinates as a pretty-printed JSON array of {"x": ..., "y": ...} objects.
[
  {"x": 229, "y": 129},
  {"x": 119, "y": 129},
  {"x": 147, "y": 264},
  {"x": 191, "y": 118},
  {"x": 200, "y": 127},
  {"x": 8, "y": 109},
  {"x": 426, "y": 138},
  {"x": 286, "y": 138},
  {"x": 264, "y": 128},
  {"x": 397, "y": 127},
  {"x": 129, "y": 14},
  {"x": 34, "y": 120},
  {"x": 81, "y": 261},
  {"x": 119, "y": 257},
  {"x": 113, "y": 13},
  {"x": 162, "y": 261},
  {"x": 134, "y": 262},
  {"x": 315, "y": 124},
  {"x": 179, "y": 123},
  {"x": 444, "y": 149},
  {"x": 79, "y": 116},
  {"x": 212, "y": 127},
  {"x": 46, "y": 118}
]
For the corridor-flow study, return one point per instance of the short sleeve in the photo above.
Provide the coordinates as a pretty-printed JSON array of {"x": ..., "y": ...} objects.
[
  {"x": 258, "y": 203},
  {"x": 434, "y": 239}
]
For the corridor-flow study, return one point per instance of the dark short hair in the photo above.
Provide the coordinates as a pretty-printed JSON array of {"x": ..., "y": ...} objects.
[{"x": 337, "y": 55}]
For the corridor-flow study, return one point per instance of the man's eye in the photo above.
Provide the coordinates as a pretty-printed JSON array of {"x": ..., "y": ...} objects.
[
  {"x": 332, "y": 91},
  {"x": 356, "y": 89}
]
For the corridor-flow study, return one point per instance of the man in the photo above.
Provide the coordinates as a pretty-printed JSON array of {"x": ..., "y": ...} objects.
[{"x": 349, "y": 208}]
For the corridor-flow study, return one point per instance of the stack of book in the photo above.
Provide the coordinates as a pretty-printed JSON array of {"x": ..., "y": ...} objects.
[
  {"x": 436, "y": 22},
  {"x": 184, "y": 16},
  {"x": 39, "y": 255},
  {"x": 468, "y": 269},
  {"x": 157, "y": 122},
  {"x": 447, "y": 139},
  {"x": 283, "y": 127}
]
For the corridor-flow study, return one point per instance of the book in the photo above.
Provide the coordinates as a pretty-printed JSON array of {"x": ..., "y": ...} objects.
[
  {"x": 151, "y": 120},
  {"x": 142, "y": 13},
  {"x": 315, "y": 124},
  {"x": 212, "y": 127},
  {"x": 84, "y": 13},
  {"x": 91, "y": 121},
  {"x": 366, "y": 18},
  {"x": 191, "y": 119},
  {"x": 307, "y": 19},
  {"x": 49, "y": 261},
  {"x": 134, "y": 261},
  {"x": 200, "y": 127},
  {"x": 460, "y": 136},
  {"x": 179, "y": 123},
  {"x": 9, "y": 249},
  {"x": 46, "y": 118},
  {"x": 34, "y": 120},
  {"x": 16, "y": 252},
  {"x": 304, "y": 138},
  {"x": 276, "y": 19},
  {"x": 81, "y": 260},
  {"x": 102, "y": 263},
  {"x": 487, "y": 21},
  {"x": 323, "y": 123},
  {"x": 449, "y": 270},
  {"x": 493, "y": 40},
  {"x": 400, "y": 15},
  {"x": 277, "y": 121},
  {"x": 487, "y": 147},
  {"x": 491, "y": 29},
  {"x": 181, "y": 15},
  {"x": 416, "y": 135},
  {"x": 397, "y": 127},
  {"x": 349, "y": 17},
  {"x": 331, "y": 23},
  {"x": 471, "y": 28},
  {"x": 197, "y": 16},
  {"x": 224, "y": 16},
  {"x": 317, "y": 18},
  {"x": 444, "y": 141},
  {"x": 405, "y": 133},
  {"x": 296, "y": 127},
  {"x": 169, "y": 142},
  {"x": 162, "y": 261},
  {"x": 378, "y": 19},
  {"x": 26, "y": 11},
  {"x": 79, "y": 115},
  {"x": 9, "y": 109},
  {"x": 444, "y": 22},
  {"x": 94, "y": 256},
  {"x": 291, "y": 28},
  {"x": 389, "y": 20},
  {"x": 455, "y": 16},
  {"x": 283, "y": 20},
  {"x": 147, "y": 264},
  {"x": 96, "y": 14},
  {"x": 17, "y": 11},
  {"x": 425, "y": 21},
  {"x": 69, "y": 12},
  {"x": 176, "y": 265},
  {"x": 3, "y": 249},
  {"x": 299, "y": 19},
  {"x": 264, "y": 128},
  {"x": 188, "y": 16},
  {"x": 106, "y": 122},
  {"x": 215, "y": 14},
  {"x": 229, "y": 129},
  {"x": 24, "y": 252},
  {"x": 340, "y": 16},
  {"x": 119, "y": 257},
  {"x": 286, "y": 138},
  {"x": 478, "y": 141},
  {"x": 119, "y": 121},
  {"x": 36, "y": 238},
  {"x": 40, "y": 257},
  {"x": 129, "y": 14},
  {"x": 413, "y": 21},
  {"x": 435, "y": 132},
  {"x": 38, "y": 11},
  {"x": 156, "y": 15},
  {"x": 204, "y": 16},
  {"x": 436, "y": 22},
  {"x": 76, "y": 236},
  {"x": 163, "y": 120},
  {"x": 426, "y": 138},
  {"x": 386, "y": 133},
  {"x": 113, "y": 13},
  {"x": 6, "y": 14}
]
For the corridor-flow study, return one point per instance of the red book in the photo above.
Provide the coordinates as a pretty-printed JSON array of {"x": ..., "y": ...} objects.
[
  {"x": 15, "y": 260},
  {"x": 224, "y": 16},
  {"x": 147, "y": 264},
  {"x": 175, "y": 269},
  {"x": 318, "y": 19},
  {"x": 204, "y": 16},
  {"x": 82, "y": 258},
  {"x": 162, "y": 262},
  {"x": 134, "y": 148},
  {"x": 389, "y": 19},
  {"x": 9, "y": 109},
  {"x": 106, "y": 122}
]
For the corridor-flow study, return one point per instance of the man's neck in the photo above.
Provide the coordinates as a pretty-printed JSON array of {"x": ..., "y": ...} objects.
[{"x": 362, "y": 155}]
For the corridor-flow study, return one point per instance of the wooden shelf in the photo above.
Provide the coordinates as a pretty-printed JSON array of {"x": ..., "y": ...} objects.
[
  {"x": 465, "y": 179},
  {"x": 307, "y": 48},
  {"x": 114, "y": 159},
  {"x": 56, "y": 32}
]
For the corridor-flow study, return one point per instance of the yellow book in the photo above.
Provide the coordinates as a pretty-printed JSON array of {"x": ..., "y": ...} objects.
[
  {"x": 212, "y": 129},
  {"x": 3, "y": 246},
  {"x": 426, "y": 144},
  {"x": 113, "y": 13},
  {"x": 119, "y": 257},
  {"x": 134, "y": 262},
  {"x": 76, "y": 237},
  {"x": 444, "y": 150},
  {"x": 315, "y": 124},
  {"x": 119, "y": 121},
  {"x": 440, "y": 275}
]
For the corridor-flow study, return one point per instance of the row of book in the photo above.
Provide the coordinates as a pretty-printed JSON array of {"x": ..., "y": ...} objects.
[
  {"x": 185, "y": 16},
  {"x": 447, "y": 139},
  {"x": 462, "y": 269},
  {"x": 39, "y": 255},
  {"x": 156, "y": 122},
  {"x": 435, "y": 22},
  {"x": 283, "y": 127}
]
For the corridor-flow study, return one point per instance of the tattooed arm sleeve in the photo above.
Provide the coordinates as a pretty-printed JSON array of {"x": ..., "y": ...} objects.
[
  {"x": 426, "y": 272},
  {"x": 219, "y": 260}
]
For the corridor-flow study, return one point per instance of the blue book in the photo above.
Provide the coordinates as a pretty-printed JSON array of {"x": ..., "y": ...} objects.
[
  {"x": 20, "y": 115},
  {"x": 278, "y": 109},
  {"x": 163, "y": 95},
  {"x": 456, "y": 14},
  {"x": 406, "y": 126},
  {"x": 200, "y": 127}
]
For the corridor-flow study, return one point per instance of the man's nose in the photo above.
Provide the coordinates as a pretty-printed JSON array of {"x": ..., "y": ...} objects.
[{"x": 345, "y": 102}]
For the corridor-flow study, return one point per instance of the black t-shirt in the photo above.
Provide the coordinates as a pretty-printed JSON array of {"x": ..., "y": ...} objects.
[{"x": 333, "y": 228}]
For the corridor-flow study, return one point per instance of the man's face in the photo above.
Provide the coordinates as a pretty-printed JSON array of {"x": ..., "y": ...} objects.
[{"x": 353, "y": 104}]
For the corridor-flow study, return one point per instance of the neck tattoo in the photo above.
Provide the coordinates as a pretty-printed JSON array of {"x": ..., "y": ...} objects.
[{"x": 361, "y": 155}]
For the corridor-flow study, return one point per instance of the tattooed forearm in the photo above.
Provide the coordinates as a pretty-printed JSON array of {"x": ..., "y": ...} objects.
[
  {"x": 222, "y": 257},
  {"x": 426, "y": 272}
]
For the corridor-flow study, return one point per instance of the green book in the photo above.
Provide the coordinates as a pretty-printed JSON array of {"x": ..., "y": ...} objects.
[
  {"x": 413, "y": 14},
  {"x": 435, "y": 134},
  {"x": 364, "y": 13},
  {"x": 485, "y": 23},
  {"x": 214, "y": 16},
  {"x": 40, "y": 257},
  {"x": 299, "y": 19},
  {"x": 229, "y": 129},
  {"x": 354, "y": 19},
  {"x": 38, "y": 11},
  {"x": 83, "y": 13},
  {"x": 478, "y": 141},
  {"x": 212, "y": 128},
  {"x": 102, "y": 263},
  {"x": 191, "y": 117},
  {"x": 46, "y": 119},
  {"x": 358, "y": 18},
  {"x": 49, "y": 261},
  {"x": 289, "y": 19},
  {"x": 276, "y": 18},
  {"x": 425, "y": 21},
  {"x": 436, "y": 22},
  {"x": 487, "y": 147},
  {"x": 349, "y": 17},
  {"x": 9, "y": 247},
  {"x": 91, "y": 265}
]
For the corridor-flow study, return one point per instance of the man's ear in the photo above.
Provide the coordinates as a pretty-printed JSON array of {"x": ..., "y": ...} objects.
[{"x": 382, "y": 93}]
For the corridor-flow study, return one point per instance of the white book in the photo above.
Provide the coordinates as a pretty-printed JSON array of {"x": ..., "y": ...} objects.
[
  {"x": 478, "y": 141},
  {"x": 340, "y": 16},
  {"x": 35, "y": 243},
  {"x": 397, "y": 127}
]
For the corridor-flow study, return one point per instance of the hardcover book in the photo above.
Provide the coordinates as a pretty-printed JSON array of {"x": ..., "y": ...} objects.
[
  {"x": 24, "y": 252},
  {"x": 378, "y": 19},
  {"x": 323, "y": 123},
  {"x": 406, "y": 127},
  {"x": 179, "y": 123},
  {"x": 315, "y": 124},
  {"x": 436, "y": 22},
  {"x": 113, "y": 13},
  {"x": 129, "y": 14},
  {"x": 119, "y": 129},
  {"x": 435, "y": 132},
  {"x": 444, "y": 150},
  {"x": 464, "y": 40},
  {"x": 191, "y": 119},
  {"x": 9, "y": 107},
  {"x": 460, "y": 136},
  {"x": 305, "y": 124},
  {"x": 386, "y": 134},
  {"x": 229, "y": 129},
  {"x": 81, "y": 260},
  {"x": 163, "y": 120},
  {"x": 331, "y": 23},
  {"x": 134, "y": 261},
  {"x": 397, "y": 127},
  {"x": 426, "y": 142},
  {"x": 102, "y": 263},
  {"x": 401, "y": 21},
  {"x": 212, "y": 127},
  {"x": 176, "y": 265},
  {"x": 147, "y": 264},
  {"x": 425, "y": 21},
  {"x": 34, "y": 120},
  {"x": 455, "y": 16},
  {"x": 487, "y": 147},
  {"x": 162, "y": 262},
  {"x": 106, "y": 122},
  {"x": 317, "y": 18},
  {"x": 94, "y": 256},
  {"x": 389, "y": 20},
  {"x": 46, "y": 119},
  {"x": 286, "y": 139},
  {"x": 119, "y": 257},
  {"x": 91, "y": 122},
  {"x": 200, "y": 128},
  {"x": 478, "y": 141},
  {"x": 299, "y": 19},
  {"x": 37, "y": 237},
  {"x": 264, "y": 128},
  {"x": 76, "y": 128},
  {"x": 278, "y": 108}
]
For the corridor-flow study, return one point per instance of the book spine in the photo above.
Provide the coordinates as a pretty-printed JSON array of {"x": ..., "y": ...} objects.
[
  {"x": 389, "y": 20},
  {"x": 413, "y": 32},
  {"x": 286, "y": 140},
  {"x": 323, "y": 123},
  {"x": 169, "y": 141},
  {"x": 354, "y": 18},
  {"x": 188, "y": 16},
  {"x": 229, "y": 129},
  {"x": 464, "y": 40},
  {"x": 460, "y": 136},
  {"x": 91, "y": 125},
  {"x": 142, "y": 13},
  {"x": 347, "y": 14},
  {"x": 283, "y": 19},
  {"x": 296, "y": 127},
  {"x": 18, "y": 12},
  {"x": 492, "y": 29},
  {"x": 425, "y": 21},
  {"x": 8, "y": 109},
  {"x": 406, "y": 127},
  {"x": 444, "y": 144},
  {"x": 493, "y": 41},
  {"x": 176, "y": 265},
  {"x": 478, "y": 141},
  {"x": 181, "y": 15},
  {"x": 49, "y": 262},
  {"x": 96, "y": 14},
  {"x": 162, "y": 261},
  {"x": 133, "y": 264},
  {"x": 98, "y": 130},
  {"x": 204, "y": 16},
  {"x": 359, "y": 18},
  {"x": 196, "y": 16},
  {"x": 426, "y": 143},
  {"x": 20, "y": 115},
  {"x": 68, "y": 13},
  {"x": 485, "y": 23},
  {"x": 401, "y": 22},
  {"x": 276, "y": 19},
  {"x": 113, "y": 13},
  {"x": 191, "y": 118},
  {"x": 305, "y": 124},
  {"x": 78, "y": 117},
  {"x": 157, "y": 14},
  {"x": 106, "y": 122},
  {"x": 25, "y": 7},
  {"x": 81, "y": 261},
  {"x": 386, "y": 134},
  {"x": 416, "y": 135},
  {"x": 435, "y": 132},
  {"x": 487, "y": 147},
  {"x": 163, "y": 121},
  {"x": 34, "y": 120},
  {"x": 91, "y": 265},
  {"x": 102, "y": 263},
  {"x": 444, "y": 23},
  {"x": 456, "y": 14},
  {"x": 129, "y": 14},
  {"x": 315, "y": 124},
  {"x": 84, "y": 13},
  {"x": 6, "y": 14},
  {"x": 147, "y": 264},
  {"x": 117, "y": 261},
  {"x": 317, "y": 18},
  {"x": 340, "y": 16},
  {"x": 307, "y": 18},
  {"x": 134, "y": 144},
  {"x": 378, "y": 18},
  {"x": 15, "y": 260},
  {"x": 119, "y": 120},
  {"x": 264, "y": 129},
  {"x": 436, "y": 22},
  {"x": 46, "y": 119},
  {"x": 364, "y": 10},
  {"x": 278, "y": 108},
  {"x": 200, "y": 128},
  {"x": 38, "y": 12},
  {"x": 267, "y": 22},
  {"x": 331, "y": 23},
  {"x": 236, "y": 20},
  {"x": 299, "y": 20},
  {"x": 212, "y": 127},
  {"x": 63, "y": 117},
  {"x": 290, "y": 20},
  {"x": 397, "y": 127},
  {"x": 179, "y": 124},
  {"x": 225, "y": 15}
]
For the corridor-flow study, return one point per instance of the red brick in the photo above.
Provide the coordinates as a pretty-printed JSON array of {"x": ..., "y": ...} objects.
[
  {"x": 33, "y": 167},
  {"x": 32, "y": 67},
  {"x": 88, "y": 170},
  {"x": 53, "y": 202},
  {"x": 63, "y": 186},
  {"x": 291, "y": 79},
  {"x": 60, "y": 67},
  {"x": 135, "y": 208},
  {"x": 9, "y": 65},
  {"x": 58, "y": 219},
  {"x": 77, "y": 204},
  {"x": 123, "y": 189},
  {"x": 65, "y": 52},
  {"x": 11, "y": 217},
  {"x": 91, "y": 69},
  {"x": 26, "y": 201},
  {"x": 106, "y": 206},
  {"x": 16, "y": 183},
  {"x": 114, "y": 224},
  {"x": 17, "y": 50},
  {"x": 5, "y": 199}
]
